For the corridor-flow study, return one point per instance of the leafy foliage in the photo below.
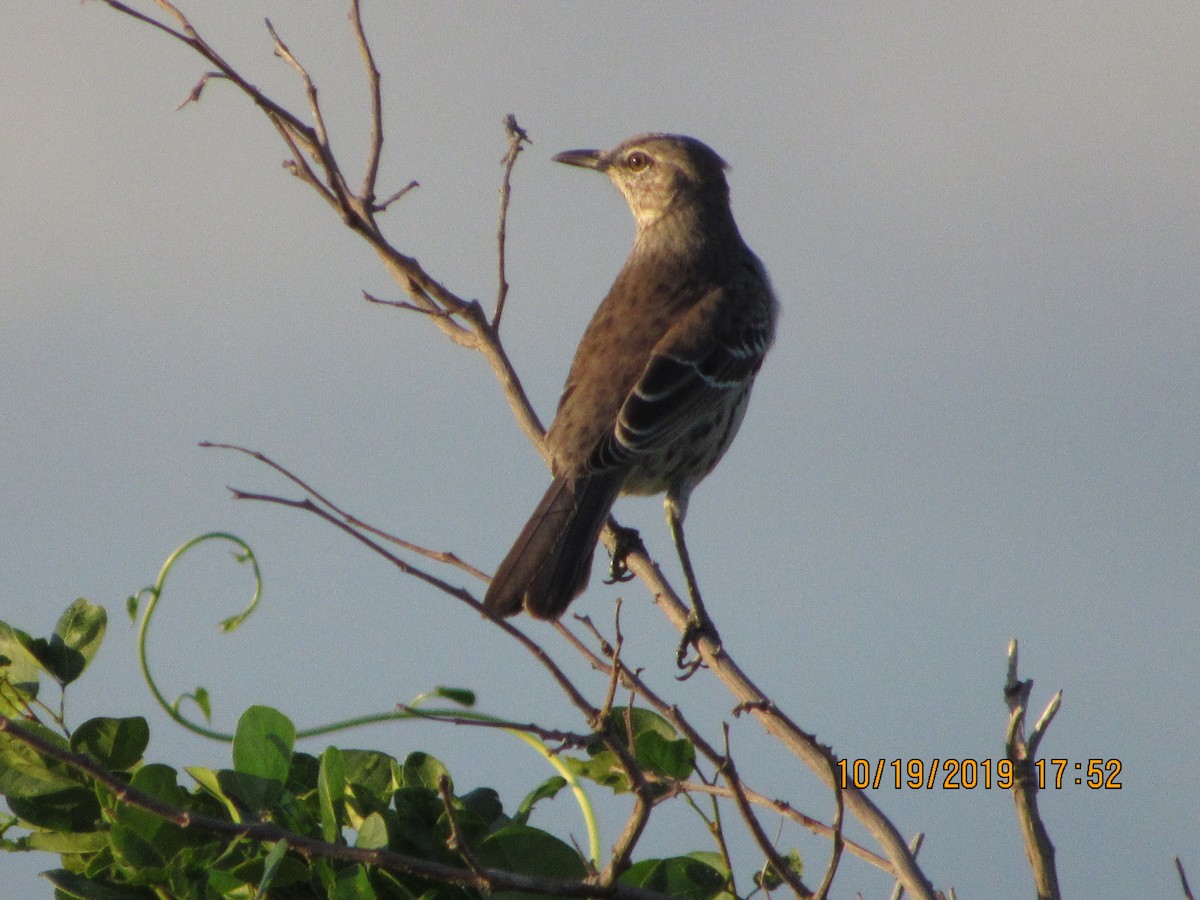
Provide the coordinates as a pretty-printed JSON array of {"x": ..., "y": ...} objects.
[{"x": 132, "y": 831}]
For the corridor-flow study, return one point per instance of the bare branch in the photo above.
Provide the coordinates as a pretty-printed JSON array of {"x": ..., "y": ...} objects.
[
  {"x": 405, "y": 567},
  {"x": 1187, "y": 891},
  {"x": 516, "y": 137},
  {"x": 382, "y": 207},
  {"x": 357, "y": 211},
  {"x": 456, "y": 841},
  {"x": 785, "y": 809},
  {"x": 1021, "y": 753},
  {"x": 670, "y": 712},
  {"x": 915, "y": 846},
  {"x": 149, "y": 20},
  {"x": 799, "y": 742},
  {"x": 405, "y": 305},
  {"x": 589, "y": 712},
  {"x": 371, "y": 170},
  {"x": 838, "y": 842},
  {"x": 551, "y": 735},
  {"x": 729, "y": 772},
  {"x": 442, "y": 556},
  {"x": 194, "y": 96}
]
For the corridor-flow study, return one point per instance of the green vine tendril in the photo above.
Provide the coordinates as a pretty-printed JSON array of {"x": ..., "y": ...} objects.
[
  {"x": 200, "y": 697},
  {"x": 154, "y": 593}
]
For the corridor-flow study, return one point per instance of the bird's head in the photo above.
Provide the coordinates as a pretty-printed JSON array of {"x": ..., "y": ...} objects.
[{"x": 658, "y": 173}]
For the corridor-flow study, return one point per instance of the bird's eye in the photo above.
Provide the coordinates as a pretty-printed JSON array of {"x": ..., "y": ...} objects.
[{"x": 637, "y": 160}]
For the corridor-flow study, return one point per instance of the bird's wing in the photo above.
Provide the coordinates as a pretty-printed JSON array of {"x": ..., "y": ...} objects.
[{"x": 699, "y": 363}]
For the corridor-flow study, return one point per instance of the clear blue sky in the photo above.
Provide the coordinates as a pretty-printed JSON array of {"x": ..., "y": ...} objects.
[{"x": 980, "y": 420}]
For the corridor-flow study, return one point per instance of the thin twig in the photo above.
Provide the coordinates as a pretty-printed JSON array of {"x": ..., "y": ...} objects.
[
  {"x": 194, "y": 96},
  {"x": 516, "y": 137},
  {"x": 382, "y": 207},
  {"x": 550, "y": 735},
  {"x": 915, "y": 846},
  {"x": 320, "y": 143},
  {"x": 782, "y": 808},
  {"x": 565, "y": 684},
  {"x": 405, "y": 305},
  {"x": 670, "y": 712},
  {"x": 838, "y": 842},
  {"x": 615, "y": 663},
  {"x": 371, "y": 169},
  {"x": 1021, "y": 754},
  {"x": 442, "y": 556},
  {"x": 728, "y": 771},
  {"x": 1187, "y": 891},
  {"x": 304, "y": 141},
  {"x": 775, "y": 722},
  {"x": 456, "y": 841},
  {"x": 406, "y": 567}
]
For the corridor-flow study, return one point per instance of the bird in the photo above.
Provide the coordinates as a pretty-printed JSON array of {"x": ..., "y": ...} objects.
[{"x": 660, "y": 380}]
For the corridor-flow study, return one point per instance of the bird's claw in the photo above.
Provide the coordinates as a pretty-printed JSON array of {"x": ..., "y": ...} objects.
[
  {"x": 697, "y": 627},
  {"x": 628, "y": 541}
]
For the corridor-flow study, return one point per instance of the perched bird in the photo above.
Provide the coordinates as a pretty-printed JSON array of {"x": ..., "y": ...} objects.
[{"x": 661, "y": 378}]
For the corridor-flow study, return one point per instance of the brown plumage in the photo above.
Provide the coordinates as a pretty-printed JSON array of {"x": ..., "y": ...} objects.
[{"x": 662, "y": 374}]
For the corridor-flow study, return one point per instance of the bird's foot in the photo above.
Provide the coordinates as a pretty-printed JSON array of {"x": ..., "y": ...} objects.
[
  {"x": 698, "y": 626},
  {"x": 628, "y": 541}
]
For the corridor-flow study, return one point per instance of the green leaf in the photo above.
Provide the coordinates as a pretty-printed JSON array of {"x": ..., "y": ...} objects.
[
  {"x": 77, "y": 887},
  {"x": 604, "y": 768},
  {"x": 374, "y": 771},
  {"x": 654, "y": 753},
  {"x": 262, "y": 756},
  {"x": 422, "y": 770},
  {"x": 116, "y": 743},
  {"x": 67, "y": 842},
  {"x": 132, "y": 850},
  {"x": 19, "y": 670},
  {"x": 249, "y": 793},
  {"x": 768, "y": 877},
  {"x": 657, "y": 748},
  {"x": 211, "y": 781},
  {"x": 419, "y": 812},
  {"x": 657, "y": 745},
  {"x": 71, "y": 809},
  {"x": 262, "y": 745},
  {"x": 271, "y": 868},
  {"x": 373, "y": 833},
  {"x": 547, "y": 790},
  {"x": 642, "y": 721},
  {"x": 461, "y": 696},
  {"x": 24, "y": 772},
  {"x": 712, "y": 859},
  {"x": 352, "y": 883},
  {"x": 159, "y": 782},
  {"x": 679, "y": 876},
  {"x": 77, "y": 637},
  {"x": 519, "y": 848},
  {"x": 200, "y": 698},
  {"x": 484, "y": 803},
  {"x": 331, "y": 791}
]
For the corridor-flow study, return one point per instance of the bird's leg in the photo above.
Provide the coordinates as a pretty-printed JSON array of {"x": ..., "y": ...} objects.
[
  {"x": 698, "y": 623},
  {"x": 628, "y": 541}
]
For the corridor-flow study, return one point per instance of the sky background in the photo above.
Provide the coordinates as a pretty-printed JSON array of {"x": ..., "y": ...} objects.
[{"x": 980, "y": 421}]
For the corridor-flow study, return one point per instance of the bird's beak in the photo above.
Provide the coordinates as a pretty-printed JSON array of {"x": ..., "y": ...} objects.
[{"x": 585, "y": 159}]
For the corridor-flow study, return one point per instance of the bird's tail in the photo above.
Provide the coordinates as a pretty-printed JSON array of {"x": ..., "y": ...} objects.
[{"x": 550, "y": 562}]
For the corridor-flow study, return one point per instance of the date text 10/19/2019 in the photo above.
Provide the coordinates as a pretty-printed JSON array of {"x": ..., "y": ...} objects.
[{"x": 969, "y": 774}]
